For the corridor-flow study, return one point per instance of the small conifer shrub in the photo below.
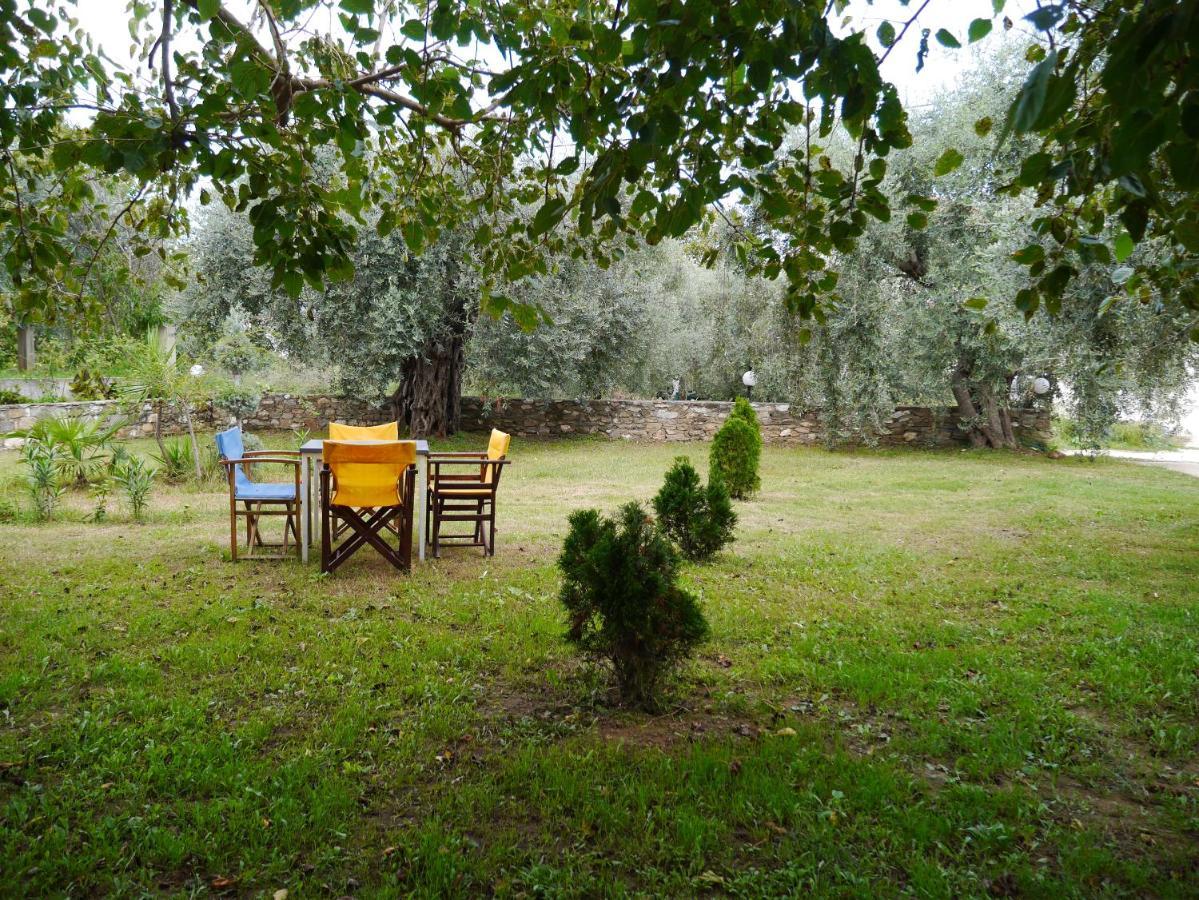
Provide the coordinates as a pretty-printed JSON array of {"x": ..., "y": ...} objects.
[
  {"x": 700, "y": 520},
  {"x": 736, "y": 450},
  {"x": 620, "y": 590}
]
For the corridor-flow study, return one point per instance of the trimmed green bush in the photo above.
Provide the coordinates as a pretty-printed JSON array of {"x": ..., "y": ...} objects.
[
  {"x": 743, "y": 409},
  {"x": 733, "y": 459},
  {"x": 699, "y": 520},
  {"x": 626, "y": 609}
]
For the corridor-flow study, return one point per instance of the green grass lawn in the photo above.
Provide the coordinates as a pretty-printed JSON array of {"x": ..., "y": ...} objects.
[{"x": 940, "y": 674}]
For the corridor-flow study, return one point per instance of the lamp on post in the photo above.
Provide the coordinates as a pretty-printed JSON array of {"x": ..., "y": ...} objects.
[{"x": 749, "y": 379}]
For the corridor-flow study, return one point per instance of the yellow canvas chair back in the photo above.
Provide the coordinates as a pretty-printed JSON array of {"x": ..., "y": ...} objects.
[
  {"x": 497, "y": 448},
  {"x": 341, "y": 432},
  {"x": 367, "y": 475}
]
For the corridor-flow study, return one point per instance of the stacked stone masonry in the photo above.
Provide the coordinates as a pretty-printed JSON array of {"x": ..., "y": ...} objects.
[
  {"x": 678, "y": 420},
  {"x": 634, "y": 420}
]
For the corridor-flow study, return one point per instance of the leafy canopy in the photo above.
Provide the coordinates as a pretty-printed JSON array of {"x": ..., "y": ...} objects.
[{"x": 640, "y": 116}]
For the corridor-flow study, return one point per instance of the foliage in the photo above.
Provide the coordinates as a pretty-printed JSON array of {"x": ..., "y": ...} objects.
[
  {"x": 238, "y": 355},
  {"x": 42, "y": 476},
  {"x": 625, "y": 607},
  {"x": 743, "y": 409},
  {"x": 913, "y": 326},
  {"x": 699, "y": 520},
  {"x": 664, "y": 110},
  {"x": 594, "y": 341},
  {"x": 239, "y": 402},
  {"x": 11, "y": 397},
  {"x": 733, "y": 458},
  {"x": 154, "y": 376},
  {"x": 137, "y": 480},
  {"x": 101, "y": 488},
  {"x": 81, "y": 445},
  {"x": 174, "y": 460},
  {"x": 90, "y": 385}
]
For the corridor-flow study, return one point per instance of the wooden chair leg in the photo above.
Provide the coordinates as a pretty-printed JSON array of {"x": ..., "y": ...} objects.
[
  {"x": 232, "y": 527},
  {"x": 438, "y": 502},
  {"x": 491, "y": 539}
]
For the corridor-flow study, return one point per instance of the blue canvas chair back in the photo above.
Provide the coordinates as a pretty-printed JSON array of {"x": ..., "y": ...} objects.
[{"x": 230, "y": 445}]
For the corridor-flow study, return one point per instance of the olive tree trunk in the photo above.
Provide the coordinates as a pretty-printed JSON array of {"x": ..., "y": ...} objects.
[
  {"x": 429, "y": 397},
  {"x": 986, "y": 422}
]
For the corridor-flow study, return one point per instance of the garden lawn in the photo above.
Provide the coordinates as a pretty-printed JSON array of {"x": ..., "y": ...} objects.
[{"x": 930, "y": 673}]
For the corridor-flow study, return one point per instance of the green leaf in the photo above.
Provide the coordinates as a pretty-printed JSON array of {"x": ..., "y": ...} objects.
[
  {"x": 976, "y": 303},
  {"x": 1026, "y": 256},
  {"x": 946, "y": 39},
  {"x": 1124, "y": 246},
  {"x": 358, "y": 7},
  {"x": 997, "y": 6},
  {"x": 548, "y": 216},
  {"x": 983, "y": 126},
  {"x": 208, "y": 9},
  {"x": 918, "y": 220},
  {"x": 979, "y": 29},
  {"x": 1034, "y": 169},
  {"x": 947, "y": 162},
  {"x": 886, "y": 34},
  {"x": 1044, "y": 18},
  {"x": 414, "y": 29},
  {"x": 1026, "y": 108}
]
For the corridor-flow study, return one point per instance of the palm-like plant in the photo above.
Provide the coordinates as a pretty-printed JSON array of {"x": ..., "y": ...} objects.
[
  {"x": 81, "y": 447},
  {"x": 42, "y": 477}
]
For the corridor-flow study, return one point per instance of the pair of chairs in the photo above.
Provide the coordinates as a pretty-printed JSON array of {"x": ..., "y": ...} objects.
[{"x": 367, "y": 487}]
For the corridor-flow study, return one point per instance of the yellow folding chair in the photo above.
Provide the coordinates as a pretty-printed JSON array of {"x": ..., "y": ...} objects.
[
  {"x": 339, "y": 431},
  {"x": 369, "y": 490}
]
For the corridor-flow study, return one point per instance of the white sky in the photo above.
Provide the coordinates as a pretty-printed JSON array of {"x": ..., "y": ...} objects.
[{"x": 107, "y": 21}]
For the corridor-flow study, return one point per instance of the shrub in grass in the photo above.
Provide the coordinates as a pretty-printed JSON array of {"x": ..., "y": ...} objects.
[
  {"x": 733, "y": 460},
  {"x": 42, "y": 476},
  {"x": 619, "y": 588},
  {"x": 10, "y": 397},
  {"x": 699, "y": 520},
  {"x": 101, "y": 488},
  {"x": 175, "y": 460},
  {"x": 136, "y": 480}
]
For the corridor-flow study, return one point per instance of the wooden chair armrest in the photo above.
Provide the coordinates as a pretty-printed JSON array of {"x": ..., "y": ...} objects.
[
  {"x": 247, "y": 454},
  {"x": 470, "y": 461},
  {"x": 457, "y": 454},
  {"x": 246, "y": 460}
]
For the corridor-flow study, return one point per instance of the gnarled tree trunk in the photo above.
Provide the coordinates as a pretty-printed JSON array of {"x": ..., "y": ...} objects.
[
  {"x": 990, "y": 425},
  {"x": 429, "y": 398}
]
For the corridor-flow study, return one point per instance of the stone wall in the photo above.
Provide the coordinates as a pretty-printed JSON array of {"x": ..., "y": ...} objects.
[
  {"x": 635, "y": 420},
  {"x": 679, "y": 420}
]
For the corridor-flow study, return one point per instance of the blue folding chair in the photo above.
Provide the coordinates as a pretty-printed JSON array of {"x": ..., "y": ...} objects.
[{"x": 280, "y": 498}]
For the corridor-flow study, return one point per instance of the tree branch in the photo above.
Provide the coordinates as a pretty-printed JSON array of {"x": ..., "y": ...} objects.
[{"x": 165, "y": 42}]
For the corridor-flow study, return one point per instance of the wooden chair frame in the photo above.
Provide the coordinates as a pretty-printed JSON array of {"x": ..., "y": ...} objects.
[
  {"x": 444, "y": 505},
  {"x": 366, "y": 524},
  {"x": 252, "y": 510}
]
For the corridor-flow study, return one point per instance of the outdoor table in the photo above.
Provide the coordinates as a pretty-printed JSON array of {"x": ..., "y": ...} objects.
[{"x": 310, "y": 463}]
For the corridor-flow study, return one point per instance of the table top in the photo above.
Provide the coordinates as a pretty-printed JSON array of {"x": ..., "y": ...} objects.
[{"x": 316, "y": 445}]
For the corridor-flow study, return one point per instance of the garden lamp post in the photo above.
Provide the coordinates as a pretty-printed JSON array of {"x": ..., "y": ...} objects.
[{"x": 749, "y": 379}]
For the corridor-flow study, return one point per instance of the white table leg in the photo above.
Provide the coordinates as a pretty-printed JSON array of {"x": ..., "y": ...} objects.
[
  {"x": 422, "y": 490},
  {"x": 305, "y": 508}
]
